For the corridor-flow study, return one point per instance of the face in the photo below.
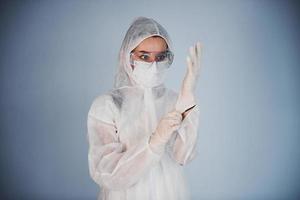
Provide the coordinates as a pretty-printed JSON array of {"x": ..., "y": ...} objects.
[{"x": 149, "y": 49}]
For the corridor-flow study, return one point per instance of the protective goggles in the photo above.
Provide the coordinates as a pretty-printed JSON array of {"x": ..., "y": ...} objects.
[{"x": 150, "y": 57}]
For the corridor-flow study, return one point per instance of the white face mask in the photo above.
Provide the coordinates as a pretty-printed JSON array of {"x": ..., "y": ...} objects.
[{"x": 149, "y": 74}]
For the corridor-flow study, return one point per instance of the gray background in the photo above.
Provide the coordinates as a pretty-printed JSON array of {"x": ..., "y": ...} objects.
[{"x": 57, "y": 56}]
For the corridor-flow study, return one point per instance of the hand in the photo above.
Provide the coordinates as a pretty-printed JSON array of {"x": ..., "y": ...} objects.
[
  {"x": 186, "y": 97},
  {"x": 168, "y": 124},
  {"x": 165, "y": 128}
]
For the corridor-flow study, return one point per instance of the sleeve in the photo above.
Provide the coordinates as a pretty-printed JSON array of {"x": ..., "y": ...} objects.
[
  {"x": 111, "y": 164},
  {"x": 183, "y": 147}
]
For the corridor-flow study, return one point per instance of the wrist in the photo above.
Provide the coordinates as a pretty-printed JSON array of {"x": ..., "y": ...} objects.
[{"x": 156, "y": 143}]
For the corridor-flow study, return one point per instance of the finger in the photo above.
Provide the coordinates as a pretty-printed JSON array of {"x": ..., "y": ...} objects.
[
  {"x": 189, "y": 63},
  {"x": 178, "y": 116},
  {"x": 176, "y": 125},
  {"x": 192, "y": 54},
  {"x": 197, "y": 45},
  {"x": 174, "y": 128},
  {"x": 173, "y": 121},
  {"x": 198, "y": 51},
  {"x": 175, "y": 113},
  {"x": 196, "y": 55},
  {"x": 170, "y": 115},
  {"x": 176, "y": 122},
  {"x": 170, "y": 118}
]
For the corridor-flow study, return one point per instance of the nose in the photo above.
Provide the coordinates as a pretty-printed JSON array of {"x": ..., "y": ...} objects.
[
  {"x": 152, "y": 58},
  {"x": 154, "y": 67}
]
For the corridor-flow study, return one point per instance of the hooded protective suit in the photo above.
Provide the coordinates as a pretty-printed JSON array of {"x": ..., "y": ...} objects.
[{"x": 120, "y": 124}]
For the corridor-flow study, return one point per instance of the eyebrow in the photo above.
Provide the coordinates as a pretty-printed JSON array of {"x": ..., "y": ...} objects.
[
  {"x": 152, "y": 51},
  {"x": 144, "y": 52}
]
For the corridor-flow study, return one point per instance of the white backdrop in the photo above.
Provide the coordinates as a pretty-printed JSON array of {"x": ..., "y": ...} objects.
[{"x": 57, "y": 56}]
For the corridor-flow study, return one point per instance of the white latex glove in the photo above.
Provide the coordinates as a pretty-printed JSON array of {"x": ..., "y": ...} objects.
[
  {"x": 186, "y": 97},
  {"x": 165, "y": 128}
]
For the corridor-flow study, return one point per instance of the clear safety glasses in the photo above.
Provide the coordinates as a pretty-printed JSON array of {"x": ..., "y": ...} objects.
[{"x": 164, "y": 58}]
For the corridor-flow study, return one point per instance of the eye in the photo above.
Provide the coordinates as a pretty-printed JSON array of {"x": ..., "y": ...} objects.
[
  {"x": 160, "y": 57},
  {"x": 144, "y": 57}
]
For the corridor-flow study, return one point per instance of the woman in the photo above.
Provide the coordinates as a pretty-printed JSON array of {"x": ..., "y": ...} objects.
[{"x": 141, "y": 133}]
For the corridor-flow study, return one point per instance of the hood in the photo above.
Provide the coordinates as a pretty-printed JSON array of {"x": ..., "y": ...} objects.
[{"x": 140, "y": 29}]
